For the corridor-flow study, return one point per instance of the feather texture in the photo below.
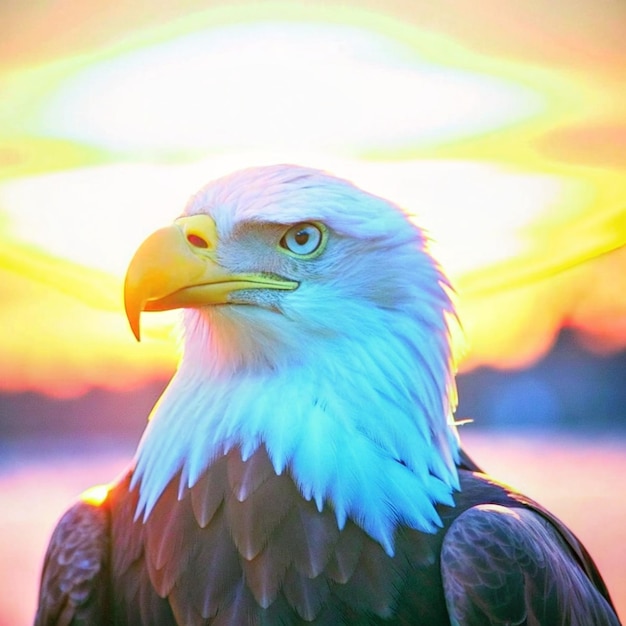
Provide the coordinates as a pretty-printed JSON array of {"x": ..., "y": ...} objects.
[
  {"x": 272, "y": 548},
  {"x": 75, "y": 574},
  {"x": 510, "y": 566}
]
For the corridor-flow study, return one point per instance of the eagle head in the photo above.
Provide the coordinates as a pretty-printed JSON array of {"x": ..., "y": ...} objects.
[{"x": 316, "y": 324}]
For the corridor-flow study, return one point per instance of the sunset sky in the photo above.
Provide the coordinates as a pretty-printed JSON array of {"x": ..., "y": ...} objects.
[{"x": 500, "y": 124}]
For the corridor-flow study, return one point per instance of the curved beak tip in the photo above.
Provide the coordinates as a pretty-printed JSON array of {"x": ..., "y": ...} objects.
[
  {"x": 136, "y": 330},
  {"x": 133, "y": 308},
  {"x": 133, "y": 317}
]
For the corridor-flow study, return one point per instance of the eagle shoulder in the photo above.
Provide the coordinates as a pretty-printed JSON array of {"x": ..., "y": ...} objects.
[
  {"x": 73, "y": 586},
  {"x": 510, "y": 565}
]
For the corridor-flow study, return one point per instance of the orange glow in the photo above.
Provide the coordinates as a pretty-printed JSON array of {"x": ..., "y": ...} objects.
[
  {"x": 501, "y": 125},
  {"x": 95, "y": 495}
]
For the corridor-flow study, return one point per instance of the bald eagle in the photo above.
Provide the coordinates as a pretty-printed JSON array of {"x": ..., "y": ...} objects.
[{"x": 303, "y": 465}]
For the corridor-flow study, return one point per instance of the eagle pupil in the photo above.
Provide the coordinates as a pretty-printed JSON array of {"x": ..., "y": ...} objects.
[{"x": 302, "y": 236}]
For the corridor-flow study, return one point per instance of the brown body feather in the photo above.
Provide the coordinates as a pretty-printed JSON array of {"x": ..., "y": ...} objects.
[{"x": 242, "y": 546}]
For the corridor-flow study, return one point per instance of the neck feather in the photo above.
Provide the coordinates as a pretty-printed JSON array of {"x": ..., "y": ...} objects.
[{"x": 363, "y": 425}]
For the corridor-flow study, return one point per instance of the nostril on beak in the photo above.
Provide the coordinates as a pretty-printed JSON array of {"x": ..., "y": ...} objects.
[{"x": 197, "y": 241}]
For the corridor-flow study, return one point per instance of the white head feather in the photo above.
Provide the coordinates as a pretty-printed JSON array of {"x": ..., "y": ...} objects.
[{"x": 347, "y": 381}]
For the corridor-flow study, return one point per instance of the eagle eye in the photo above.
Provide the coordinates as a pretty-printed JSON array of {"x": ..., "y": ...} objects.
[{"x": 305, "y": 240}]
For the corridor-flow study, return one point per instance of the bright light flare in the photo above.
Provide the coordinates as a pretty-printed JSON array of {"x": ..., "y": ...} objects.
[
  {"x": 247, "y": 86},
  {"x": 95, "y": 495}
]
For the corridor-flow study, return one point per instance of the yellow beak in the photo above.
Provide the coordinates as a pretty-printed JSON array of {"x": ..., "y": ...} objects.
[{"x": 176, "y": 267}]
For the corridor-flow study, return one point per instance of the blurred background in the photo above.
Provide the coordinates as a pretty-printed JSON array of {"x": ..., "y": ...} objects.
[{"x": 499, "y": 124}]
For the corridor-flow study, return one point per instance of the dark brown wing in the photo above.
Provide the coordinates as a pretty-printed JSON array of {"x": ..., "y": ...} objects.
[
  {"x": 505, "y": 565},
  {"x": 73, "y": 582}
]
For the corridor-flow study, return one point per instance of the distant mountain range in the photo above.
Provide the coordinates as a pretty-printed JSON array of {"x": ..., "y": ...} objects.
[{"x": 570, "y": 387}]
